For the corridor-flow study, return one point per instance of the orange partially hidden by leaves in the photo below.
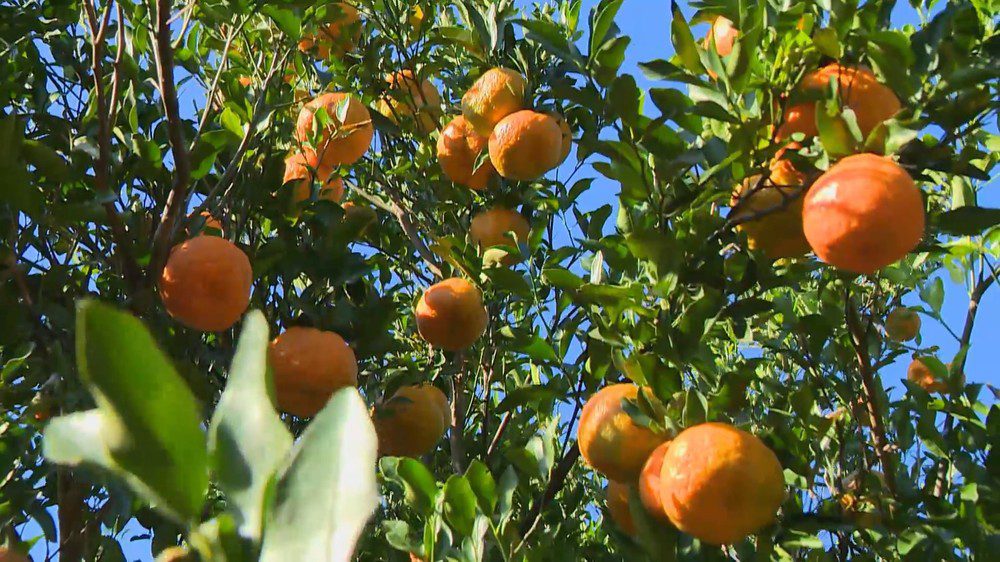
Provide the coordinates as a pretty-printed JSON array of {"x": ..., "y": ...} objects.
[
  {"x": 567, "y": 135},
  {"x": 778, "y": 202},
  {"x": 857, "y": 88},
  {"x": 303, "y": 168},
  {"x": 412, "y": 422},
  {"x": 309, "y": 366},
  {"x": 725, "y": 33},
  {"x": 495, "y": 95},
  {"x": 525, "y": 145},
  {"x": 920, "y": 374},
  {"x": 209, "y": 224},
  {"x": 649, "y": 483},
  {"x": 719, "y": 484},
  {"x": 451, "y": 315},
  {"x": 863, "y": 214},
  {"x": 173, "y": 554},
  {"x": 206, "y": 283},
  {"x": 609, "y": 440},
  {"x": 902, "y": 324},
  {"x": 348, "y": 132},
  {"x": 493, "y": 227},
  {"x": 410, "y": 99},
  {"x": 458, "y": 149},
  {"x": 337, "y": 35},
  {"x": 618, "y": 506}
]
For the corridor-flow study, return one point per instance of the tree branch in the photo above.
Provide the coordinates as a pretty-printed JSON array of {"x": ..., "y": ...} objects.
[
  {"x": 457, "y": 434},
  {"x": 556, "y": 483},
  {"x": 870, "y": 392},
  {"x": 182, "y": 168}
]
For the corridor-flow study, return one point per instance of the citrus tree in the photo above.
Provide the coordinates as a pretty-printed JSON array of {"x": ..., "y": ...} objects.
[{"x": 437, "y": 280}]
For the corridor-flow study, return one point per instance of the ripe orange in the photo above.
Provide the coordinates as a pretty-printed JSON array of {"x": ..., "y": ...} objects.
[
  {"x": 304, "y": 168},
  {"x": 618, "y": 506},
  {"x": 858, "y": 89},
  {"x": 492, "y": 227},
  {"x": 495, "y": 95},
  {"x": 458, "y": 148},
  {"x": 609, "y": 440},
  {"x": 309, "y": 366},
  {"x": 719, "y": 484},
  {"x": 902, "y": 324},
  {"x": 778, "y": 233},
  {"x": 412, "y": 422},
  {"x": 206, "y": 283},
  {"x": 339, "y": 142},
  {"x": 451, "y": 315},
  {"x": 919, "y": 373},
  {"x": 525, "y": 145},
  {"x": 863, "y": 214},
  {"x": 337, "y": 35},
  {"x": 411, "y": 100},
  {"x": 174, "y": 554},
  {"x": 209, "y": 224},
  {"x": 725, "y": 33},
  {"x": 567, "y": 135},
  {"x": 649, "y": 482}
]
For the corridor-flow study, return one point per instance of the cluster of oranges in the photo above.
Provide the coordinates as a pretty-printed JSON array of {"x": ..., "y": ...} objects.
[
  {"x": 713, "y": 481},
  {"x": 864, "y": 213}
]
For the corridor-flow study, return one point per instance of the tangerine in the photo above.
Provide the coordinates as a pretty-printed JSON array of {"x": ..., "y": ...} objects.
[
  {"x": 495, "y": 95},
  {"x": 525, "y": 145},
  {"x": 458, "y": 148},
  {"x": 451, "y": 315},
  {"x": 609, "y": 440},
  {"x": 341, "y": 142},
  {"x": 206, "y": 283},
  {"x": 309, "y": 366},
  {"x": 493, "y": 227}
]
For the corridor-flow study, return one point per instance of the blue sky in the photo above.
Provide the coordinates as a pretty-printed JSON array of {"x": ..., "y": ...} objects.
[{"x": 647, "y": 22}]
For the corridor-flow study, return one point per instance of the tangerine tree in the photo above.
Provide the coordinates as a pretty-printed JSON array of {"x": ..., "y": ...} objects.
[{"x": 450, "y": 280}]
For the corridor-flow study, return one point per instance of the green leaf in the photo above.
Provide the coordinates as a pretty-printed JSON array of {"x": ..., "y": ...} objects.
[
  {"x": 827, "y": 42},
  {"x": 78, "y": 439},
  {"x": 419, "y": 484},
  {"x": 967, "y": 221},
  {"x": 602, "y": 22},
  {"x": 459, "y": 504},
  {"x": 247, "y": 439},
  {"x": 45, "y": 160},
  {"x": 561, "y": 278},
  {"x": 483, "y": 485},
  {"x": 152, "y": 422},
  {"x": 933, "y": 294},
  {"x": 286, "y": 19},
  {"x": 834, "y": 131},
  {"x": 683, "y": 40},
  {"x": 328, "y": 492}
]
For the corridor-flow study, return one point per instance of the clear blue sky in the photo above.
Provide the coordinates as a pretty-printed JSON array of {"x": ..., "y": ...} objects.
[{"x": 647, "y": 22}]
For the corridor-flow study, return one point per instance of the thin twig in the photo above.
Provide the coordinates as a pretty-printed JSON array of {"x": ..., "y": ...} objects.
[{"x": 556, "y": 483}]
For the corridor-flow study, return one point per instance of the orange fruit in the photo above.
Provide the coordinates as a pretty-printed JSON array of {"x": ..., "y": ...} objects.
[
  {"x": 609, "y": 440},
  {"x": 863, "y": 214},
  {"x": 495, "y": 95},
  {"x": 920, "y": 374},
  {"x": 245, "y": 81},
  {"x": 492, "y": 227},
  {"x": 902, "y": 324},
  {"x": 859, "y": 511},
  {"x": 209, "y": 224},
  {"x": 778, "y": 233},
  {"x": 411, "y": 100},
  {"x": 337, "y": 35},
  {"x": 451, "y": 315},
  {"x": 206, "y": 283},
  {"x": 618, "y": 506},
  {"x": 340, "y": 143},
  {"x": 858, "y": 89},
  {"x": 567, "y": 135},
  {"x": 725, "y": 34},
  {"x": 525, "y": 145},
  {"x": 309, "y": 366},
  {"x": 649, "y": 482},
  {"x": 719, "y": 484},
  {"x": 174, "y": 554},
  {"x": 303, "y": 168},
  {"x": 458, "y": 148},
  {"x": 412, "y": 422}
]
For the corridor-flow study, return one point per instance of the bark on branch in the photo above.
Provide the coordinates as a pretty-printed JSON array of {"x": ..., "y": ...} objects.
[{"x": 175, "y": 133}]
